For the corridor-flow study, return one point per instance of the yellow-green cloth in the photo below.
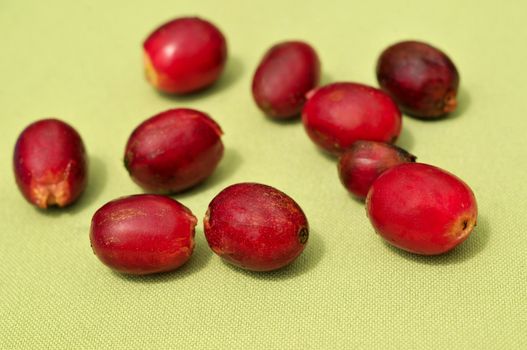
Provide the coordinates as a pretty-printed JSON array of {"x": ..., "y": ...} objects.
[{"x": 81, "y": 61}]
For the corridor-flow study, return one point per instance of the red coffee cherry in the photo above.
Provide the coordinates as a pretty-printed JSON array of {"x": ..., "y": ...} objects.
[
  {"x": 174, "y": 150},
  {"x": 50, "y": 164},
  {"x": 143, "y": 234},
  {"x": 184, "y": 55},
  {"x": 337, "y": 115},
  {"x": 420, "y": 78},
  {"x": 287, "y": 72},
  {"x": 362, "y": 164},
  {"x": 421, "y": 208},
  {"x": 256, "y": 227}
]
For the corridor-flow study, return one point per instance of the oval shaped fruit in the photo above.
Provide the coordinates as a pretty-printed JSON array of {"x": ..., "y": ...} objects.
[
  {"x": 421, "y": 208},
  {"x": 337, "y": 115},
  {"x": 50, "y": 163},
  {"x": 255, "y": 227},
  {"x": 184, "y": 55},
  {"x": 174, "y": 150},
  {"x": 143, "y": 234},
  {"x": 365, "y": 161},
  {"x": 286, "y": 73},
  {"x": 420, "y": 78}
]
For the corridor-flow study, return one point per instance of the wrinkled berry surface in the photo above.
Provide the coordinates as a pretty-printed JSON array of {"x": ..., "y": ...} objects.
[
  {"x": 337, "y": 115},
  {"x": 173, "y": 150},
  {"x": 256, "y": 227},
  {"x": 50, "y": 163},
  {"x": 365, "y": 161},
  {"x": 421, "y": 208},
  {"x": 286, "y": 73},
  {"x": 143, "y": 234},
  {"x": 420, "y": 78},
  {"x": 184, "y": 55}
]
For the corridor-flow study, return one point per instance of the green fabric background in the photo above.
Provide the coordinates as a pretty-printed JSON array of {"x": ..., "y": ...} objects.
[{"x": 81, "y": 61}]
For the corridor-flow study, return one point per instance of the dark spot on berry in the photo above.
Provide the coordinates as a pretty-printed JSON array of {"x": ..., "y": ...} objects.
[{"x": 303, "y": 235}]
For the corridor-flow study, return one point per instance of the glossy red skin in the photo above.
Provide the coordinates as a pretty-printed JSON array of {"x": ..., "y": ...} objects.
[
  {"x": 420, "y": 78},
  {"x": 173, "y": 150},
  {"x": 256, "y": 227},
  {"x": 337, "y": 115},
  {"x": 421, "y": 209},
  {"x": 184, "y": 55},
  {"x": 365, "y": 161},
  {"x": 50, "y": 164},
  {"x": 284, "y": 76},
  {"x": 143, "y": 234}
]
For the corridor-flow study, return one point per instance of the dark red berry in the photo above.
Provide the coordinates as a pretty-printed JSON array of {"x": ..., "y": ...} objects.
[
  {"x": 255, "y": 227},
  {"x": 50, "y": 163},
  {"x": 420, "y": 78},
  {"x": 421, "y": 208},
  {"x": 173, "y": 150},
  {"x": 184, "y": 55},
  {"x": 286, "y": 73},
  {"x": 365, "y": 161},
  {"x": 337, "y": 115},
  {"x": 143, "y": 234}
]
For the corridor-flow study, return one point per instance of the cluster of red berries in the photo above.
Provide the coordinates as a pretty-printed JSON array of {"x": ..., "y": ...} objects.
[{"x": 414, "y": 206}]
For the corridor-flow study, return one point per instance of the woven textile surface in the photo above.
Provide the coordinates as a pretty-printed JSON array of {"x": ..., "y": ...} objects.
[{"x": 81, "y": 61}]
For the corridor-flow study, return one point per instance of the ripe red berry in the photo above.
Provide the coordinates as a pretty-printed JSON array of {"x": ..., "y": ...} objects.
[
  {"x": 420, "y": 78},
  {"x": 50, "y": 164},
  {"x": 286, "y": 73},
  {"x": 173, "y": 150},
  {"x": 255, "y": 227},
  {"x": 184, "y": 55},
  {"x": 365, "y": 161},
  {"x": 421, "y": 209},
  {"x": 337, "y": 115},
  {"x": 143, "y": 234}
]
